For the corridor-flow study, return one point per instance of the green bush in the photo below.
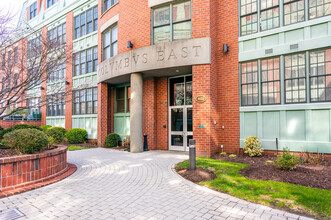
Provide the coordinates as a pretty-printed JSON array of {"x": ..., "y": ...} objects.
[
  {"x": 60, "y": 129},
  {"x": 126, "y": 141},
  {"x": 20, "y": 126},
  {"x": 287, "y": 161},
  {"x": 252, "y": 146},
  {"x": 112, "y": 140},
  {"x": 76, "y": 136},
  {"x": 26, "y": 141},
  {"x": 1, "y": 132},
  {"x": 45, "y": 127},
  {"x": 54, "y": 136}
]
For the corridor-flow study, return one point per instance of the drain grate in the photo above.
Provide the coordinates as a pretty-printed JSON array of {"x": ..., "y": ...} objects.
[{"x": 11, "y": 214}]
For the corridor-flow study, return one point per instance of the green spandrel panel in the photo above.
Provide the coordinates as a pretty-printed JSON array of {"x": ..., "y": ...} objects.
[
  {"x": 249, "y": 45},
  {"x": 295, "y": 125},
  {"x": 270, "y": 125},
  {"x": 271, "y": 40},
  {"x": 319, "y": 30},
  {"x": 250, "y": 124},
  {"x": 294, "y": 36},
  {"x": 320, "y": 121},
  {"x": 122, "y": 124}
]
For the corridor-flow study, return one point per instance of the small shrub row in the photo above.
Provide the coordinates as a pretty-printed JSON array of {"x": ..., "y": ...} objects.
[
  {"x": 112, "y": 140},
  {"x": 17, "y": 127},
  {"x": 76, "y": 136}
]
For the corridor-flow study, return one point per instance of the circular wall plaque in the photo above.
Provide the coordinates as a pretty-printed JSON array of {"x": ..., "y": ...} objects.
[{"x": 200, "y": 99}]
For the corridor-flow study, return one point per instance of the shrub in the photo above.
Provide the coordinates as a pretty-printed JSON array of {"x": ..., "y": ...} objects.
[
  {"x": 21, "y": 126},
  {"x": 287, "y": 161},
  {"x": 1, "y": 132},
  {"x": 45, "y": 127},
  {"x": 112, "y": 140},
  {"x": 311, "y": 158},
  {"x": 26, "y": 141},
  {"x": 60, "y": 129},
  {"x": 252, "y": 146},
  {"x": 232, "y": 156},
  {"x": 54, "y": 136},
  {"x": 76, "y": 136},
  {"x": 126, "y": 141}
]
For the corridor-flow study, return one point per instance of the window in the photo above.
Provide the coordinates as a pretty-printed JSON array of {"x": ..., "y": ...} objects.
[
  {"x": 3, "y": 61},
  {"x": 320, "y": 76},
  {"x": 56, "y": 105},
  {"x": 269, "y": 14},
  {"x": 34, "y": 78},
  {"x": 85, "y": 101},
  {"x": 294, "y": 11},
  {"x": 15, "y": 55},
  {"x": 34, "y": 47},
  {"x": 86, "y": 61},
  {"x": 58, "y": 74},
  {"x": 295, "y": 78},
  {"x": 56, "y": 36},
  {"x": 319, "y": 8},
  {"x": 248, "y": 16},
  {"x": 108, "y": 3},
  {"x": 122, "y": 99},
  {"x": 249, "y": 84},
  {"x": 110, "y": 43},
  {"x": 15, "y": 81},
  {"x": 9, "y": 58},
  {"x": 177, "y": 27},
  {"x": 33, "y": 105},
  {"x": 86, "y": 23},
  {"x": 270, "y": 81},
  {"x": 33, "y": 10},
  {"x": 50, "y": 3}
]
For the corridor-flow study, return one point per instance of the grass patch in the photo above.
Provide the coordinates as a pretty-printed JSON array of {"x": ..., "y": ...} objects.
[
  {"x": 73, "y": 148},
  {"x": 298, "y": 198}
]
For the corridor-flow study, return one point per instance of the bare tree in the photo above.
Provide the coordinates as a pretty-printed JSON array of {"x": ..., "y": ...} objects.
[{"x": 29, "y": 58}]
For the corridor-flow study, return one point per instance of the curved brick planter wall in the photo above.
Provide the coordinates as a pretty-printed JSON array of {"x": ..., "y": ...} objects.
[{"x": 18, "y": 171}]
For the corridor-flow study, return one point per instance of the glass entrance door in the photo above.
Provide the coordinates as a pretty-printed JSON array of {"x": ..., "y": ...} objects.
[{"x": 180, "y": 113}]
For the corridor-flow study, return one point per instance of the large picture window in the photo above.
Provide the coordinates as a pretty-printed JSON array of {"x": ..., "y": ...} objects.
[
  {"x": 86, "y": 23},
  {"x": 320, "y": 76},
  {"x": 269, "y": 14},
  {"x": 294, "y": 11},
  {"x": 249, "y": 84},
  {"x": 33, "y": 10},
  {"x": 56, "y": 105},
  {"x": 248, "y": 16},
  {"x": 56, "y": 36},
  {"x": 58, "y": 74},
  {"x": 34, "y": 47},
  {"x": 85, "y": 101},
  {"x": 86, "y": 61},
  {"x": 176, "y": 27},
  {"x": 50, "y": 3},
  {"x": 107, "y": 4},
  {"x": 270, "y": 81},
  {"x": 109, "y": 43},
  {"x": 295, "y": 78},
  {"x": 122, "y": 99},
  {"x": 319, "y": 8}
]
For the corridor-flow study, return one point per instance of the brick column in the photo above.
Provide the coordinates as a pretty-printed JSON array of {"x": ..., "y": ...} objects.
[
  {"x": 43, "y": 108},
  {"x": 103, "y": 113},
  {"x": 69, "y": 74},
  {"x": 162, "y": 124},
  {"x": 149, "y": 112}
]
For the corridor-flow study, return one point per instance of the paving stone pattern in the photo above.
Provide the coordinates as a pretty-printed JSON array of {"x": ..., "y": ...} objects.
[{"x": 111, "y": 184}]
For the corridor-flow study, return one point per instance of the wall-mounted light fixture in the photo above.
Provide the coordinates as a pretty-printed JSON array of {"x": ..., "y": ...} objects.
[
  {"x": 67, "y": 83},
  {"x": 42, "y": 88},
  {"x": 129, "y": 44},
  {"x": 225, "y": 48}
]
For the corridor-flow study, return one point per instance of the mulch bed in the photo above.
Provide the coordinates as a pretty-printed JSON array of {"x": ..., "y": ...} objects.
[
  {"x": 318, "y": 176},
  {"x": 197, "y": 175},
  {"x": 7, "y": 153},
  {"x": 81, "y": 145}
]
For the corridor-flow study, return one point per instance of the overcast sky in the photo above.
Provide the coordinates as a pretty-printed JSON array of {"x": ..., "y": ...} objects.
[{"x": 13, "y": 5}]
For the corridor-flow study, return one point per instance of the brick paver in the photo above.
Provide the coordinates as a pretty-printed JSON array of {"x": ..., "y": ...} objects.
[{"x": 111, "y": 184}]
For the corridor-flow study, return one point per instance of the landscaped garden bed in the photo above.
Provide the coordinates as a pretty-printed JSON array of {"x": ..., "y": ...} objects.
[{"x": 252, "y": 179}]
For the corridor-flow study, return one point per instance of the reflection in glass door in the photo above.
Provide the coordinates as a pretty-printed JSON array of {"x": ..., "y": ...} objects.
[{"x": 180, "y": 113}]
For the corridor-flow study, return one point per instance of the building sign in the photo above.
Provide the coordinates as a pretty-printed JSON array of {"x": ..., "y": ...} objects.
[{"x": 166, "y": 55}]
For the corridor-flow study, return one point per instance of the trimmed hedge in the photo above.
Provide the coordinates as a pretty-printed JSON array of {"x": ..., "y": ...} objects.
[
  {"x": 26, "y": 141},
  {"x": 54, "y": 136},
  {"x": 112, "y": 140},
  {"x": 20, "y": 126},
  {"x": 76, "y": 135},
  {"x": 45, "y": 127},
  {"x": 60, "y": 129}
]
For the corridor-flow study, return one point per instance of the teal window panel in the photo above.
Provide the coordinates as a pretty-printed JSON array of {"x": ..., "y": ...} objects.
[
  {"x": 270, "y": 125},
  {"x": 320, "y": 122},
  {"x": 295, "y": 125},
  {"x": 250, "y": 124},
  {"x": 319, "y": 30},
  {"x": 271, "y": 40},
  {"x": 250, "y": 45},
  {"x": 122, "y": 124},
  {"x": 294, "y": 36}
]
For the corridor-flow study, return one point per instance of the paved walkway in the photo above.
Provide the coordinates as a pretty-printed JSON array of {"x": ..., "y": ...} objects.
[{"x": 112, "y": 184}]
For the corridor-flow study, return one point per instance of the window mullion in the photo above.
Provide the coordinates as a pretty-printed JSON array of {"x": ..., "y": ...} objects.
[
  {"x": 307, "y": 67},
  {"x": 258, "y": 15},
  {"x": 259, "y": 72},
  {"x": 171, "y": 27}
]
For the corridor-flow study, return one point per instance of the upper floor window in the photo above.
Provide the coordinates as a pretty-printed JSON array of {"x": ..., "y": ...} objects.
[
  {"x": 320, "y": 76},
  {"x": 270, "y": 81},
  {"x": 319, "y": 8},
  {"x": 294, "y": 11},
  {"x": 107, "y": 4},
  {"x": 50, "y": 3},
  {"x": 56, "y": 105},
  {"x": 33, "y": 10},
  {"x": 56, "y": 36},
  {"x": 15, "y": 55},
  {"x": 109, "y": 46},
  {"x": 249, "y": 84},
  {"x": 86, "y": 61},
  {"x": 34, "y": 47},
  {"x": 172, "y": 22},
  {"x": 86, "y": 23},
  {"x": 85, "y": 101},
  {"x": 248, "y": 16},
  {"x": 58, "y": 74},
  {"x": 269, "y": 14},
  {"x": 122, "y": 101},
  {"x": 9, "y": 58}
]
